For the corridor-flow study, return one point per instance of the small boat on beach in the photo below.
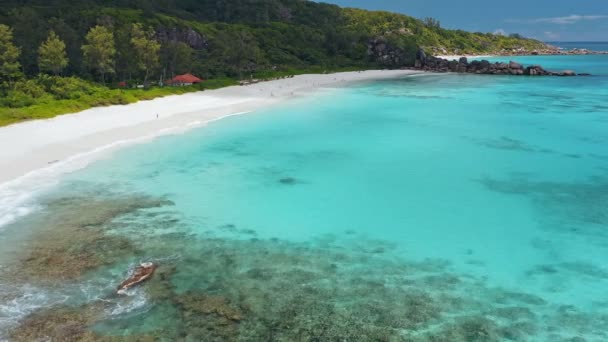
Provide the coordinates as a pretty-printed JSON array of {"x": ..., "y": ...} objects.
[{"x": 142, "y": 273}]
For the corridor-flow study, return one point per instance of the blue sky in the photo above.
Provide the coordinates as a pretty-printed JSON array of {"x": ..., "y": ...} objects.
[{"x": 548, "y": 20}]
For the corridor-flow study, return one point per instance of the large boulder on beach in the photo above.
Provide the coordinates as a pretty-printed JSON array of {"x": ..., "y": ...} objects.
[
  {"x": 463, "y": 60},
  {"x": 421, "y": 56}
]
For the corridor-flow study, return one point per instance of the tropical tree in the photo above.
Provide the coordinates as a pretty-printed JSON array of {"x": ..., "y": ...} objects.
[
  {"x": 431, "y": 23},
  {"x": 99, "y": 50},
  {"x": 238, "y": 50},
  {"x": 9, "y": 56},
  {"x": 176, "y": 58},
  {"x": 146, "y": 49},
  {"x": 52, "y": 57}
]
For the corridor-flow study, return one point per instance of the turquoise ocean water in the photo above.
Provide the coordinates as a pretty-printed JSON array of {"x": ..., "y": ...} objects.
[{"x": 427, "y": 208}]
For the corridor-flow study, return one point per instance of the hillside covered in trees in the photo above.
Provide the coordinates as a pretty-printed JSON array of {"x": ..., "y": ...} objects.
[{"x": 148, "y": 41}]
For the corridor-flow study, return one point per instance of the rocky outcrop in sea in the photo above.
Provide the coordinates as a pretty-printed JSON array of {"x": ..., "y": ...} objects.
[
  {"x": 549, "y": 50},
  {"x": 431, "y": 63}
]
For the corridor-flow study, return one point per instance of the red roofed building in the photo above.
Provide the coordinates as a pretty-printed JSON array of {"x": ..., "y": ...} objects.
[{"x": 184, "y": 80}]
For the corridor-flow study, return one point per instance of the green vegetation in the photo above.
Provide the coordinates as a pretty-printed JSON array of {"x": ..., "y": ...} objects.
[
  {"x": 145, "y": 49},
  {"x": 9, "y": 54},
  {"x": 49, "y": 96},
  {"x": 99, "y": 51},
  {"x": 429, "y": 35},
  {"x": 52, "y": 56},
  {"x": 136, "y": 42}
]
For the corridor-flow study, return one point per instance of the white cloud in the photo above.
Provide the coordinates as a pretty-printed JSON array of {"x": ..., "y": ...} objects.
[
  {"x": 571, "y": 19},
  {"x": 566, "y": 20},
  {"x": 500, "y": 32}
]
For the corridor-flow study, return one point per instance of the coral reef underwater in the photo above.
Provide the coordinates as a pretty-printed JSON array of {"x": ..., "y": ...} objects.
[{"x": 242, "y": 288}]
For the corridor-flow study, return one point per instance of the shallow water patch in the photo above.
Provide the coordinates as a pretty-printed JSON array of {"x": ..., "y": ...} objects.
[{"x": 239, "y": 290}]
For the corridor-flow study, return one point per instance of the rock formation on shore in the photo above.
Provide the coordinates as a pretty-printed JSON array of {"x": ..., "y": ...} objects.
[
  {"x": 431, "y": 63},
  {"x": 548, "y": 50}
]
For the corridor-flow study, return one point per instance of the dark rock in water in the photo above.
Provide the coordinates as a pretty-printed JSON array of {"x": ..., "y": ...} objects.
[
  {"x": 584, "y": 74},
  {"x": 502, "y": 66},
  {"x": 142, "y": 273},
  {"x": 514, "y": 65},
  {"x": 430, "y": 63},
  {"x": 536, "y": 70},
  {"x": 288, "y": 181},
  {"x": 453, "y": 66}
]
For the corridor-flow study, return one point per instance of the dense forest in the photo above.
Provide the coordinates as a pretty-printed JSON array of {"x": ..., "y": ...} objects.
[{"x": 56, "y": 49}]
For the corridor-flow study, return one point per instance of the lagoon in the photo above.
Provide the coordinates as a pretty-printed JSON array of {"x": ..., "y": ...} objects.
[{"x": 428, "y": 207}]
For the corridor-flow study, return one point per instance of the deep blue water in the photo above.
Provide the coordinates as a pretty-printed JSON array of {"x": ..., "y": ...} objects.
[{"x": 434, "y": 207}]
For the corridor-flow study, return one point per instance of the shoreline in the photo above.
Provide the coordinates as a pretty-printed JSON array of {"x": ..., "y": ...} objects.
[
  {"x": 42, "y": 149},
  {"x": 40, "y": 143}
]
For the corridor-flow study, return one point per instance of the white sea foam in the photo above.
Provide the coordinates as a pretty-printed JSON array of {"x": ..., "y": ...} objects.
[
  {"x": 25, "y": 300},
  {"x": 132, "y": 300}
]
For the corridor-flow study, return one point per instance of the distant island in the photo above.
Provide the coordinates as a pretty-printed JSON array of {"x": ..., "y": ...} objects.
[{"x": 64, "y": 56}]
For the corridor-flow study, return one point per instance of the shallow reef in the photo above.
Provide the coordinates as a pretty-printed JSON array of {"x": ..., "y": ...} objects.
[
  {"x": 57, "y": 324},
  {"x": 568, "y": 204},
  {"x": 242, "y": 288},
  {"x": 69, "y": 237}
]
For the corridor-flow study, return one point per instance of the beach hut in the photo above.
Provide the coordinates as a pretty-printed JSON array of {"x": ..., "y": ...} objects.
[{"x": 184, "y": 80}]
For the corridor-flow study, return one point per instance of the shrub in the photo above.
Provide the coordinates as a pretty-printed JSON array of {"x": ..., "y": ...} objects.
[
  {"x": 71, "y": 88},
  {"x": 30, "y": 88},
  {"x": 17, "y": 99}
]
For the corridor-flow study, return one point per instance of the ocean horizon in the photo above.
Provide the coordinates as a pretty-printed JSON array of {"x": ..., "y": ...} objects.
[
  {"x": 590, "y": 45},
  {"x": 436, "y": 207}
]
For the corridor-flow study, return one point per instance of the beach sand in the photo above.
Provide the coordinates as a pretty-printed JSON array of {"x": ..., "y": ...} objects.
[{"x": 81, "y": 137}]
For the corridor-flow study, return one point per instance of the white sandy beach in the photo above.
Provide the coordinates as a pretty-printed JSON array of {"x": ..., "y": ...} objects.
[{"x": 44, "y": 144}]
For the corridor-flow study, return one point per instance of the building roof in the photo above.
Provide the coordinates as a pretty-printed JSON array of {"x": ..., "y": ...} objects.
[{"x": 186, "y": 78}]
